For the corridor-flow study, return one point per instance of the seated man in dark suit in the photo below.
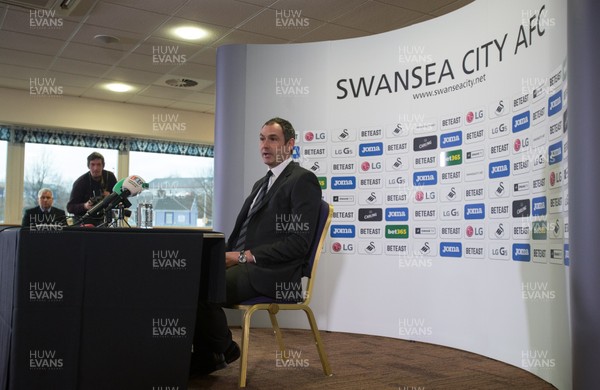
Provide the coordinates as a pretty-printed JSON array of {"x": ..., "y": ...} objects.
[
  {"x": 269, "y": 245},
  {"x": 44, "y": 213}
]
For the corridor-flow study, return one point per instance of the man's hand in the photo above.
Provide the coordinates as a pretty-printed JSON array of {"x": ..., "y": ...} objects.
[
  {"x": 231, "y": 259},
  {"x": 88, "y": 205}
]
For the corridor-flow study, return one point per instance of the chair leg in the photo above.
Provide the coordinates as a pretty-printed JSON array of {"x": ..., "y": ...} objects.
[
  {"x": 245, "y": 343},
  {"x": 318, "y": 341},
  {"x": 277, "y": 331}
]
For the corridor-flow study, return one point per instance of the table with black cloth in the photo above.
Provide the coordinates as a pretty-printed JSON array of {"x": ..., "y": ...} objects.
[{"x": 86, "y": 309}]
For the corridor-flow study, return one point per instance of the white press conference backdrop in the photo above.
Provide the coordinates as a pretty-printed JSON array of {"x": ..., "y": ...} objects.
[{"x": 443, "y": 149}]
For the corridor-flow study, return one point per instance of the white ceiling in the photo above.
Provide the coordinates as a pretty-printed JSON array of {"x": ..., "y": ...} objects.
[{"x": 51, "y": 46}]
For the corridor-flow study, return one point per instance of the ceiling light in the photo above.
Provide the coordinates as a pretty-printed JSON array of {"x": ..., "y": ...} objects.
[
  {"x": 106, "y": 38},
  {"x": 190, "y": 33},
  {"x": 118, "y": 87}
]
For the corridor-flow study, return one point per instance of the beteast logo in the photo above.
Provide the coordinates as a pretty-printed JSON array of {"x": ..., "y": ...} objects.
[
  {"x": 521, "y": 208},
  {"x": 520, "y": 122},
  {"x": 450, "y": 249},
  {"x": 314, "y": 152},
  {"x": 555, "y": 103},
  {"x": 343, "y": 182},
  {"x": 425, "y": 143},
  {"x": 451, "y": 122},
  {"x": 396, "y": 214},
  {"x": 343, "y": 167},
  {"x": 521, "y": 252},
  {"x": 475, "y": 211},
  {"x": 371, "y": 134},
  {"x": 499, "y": 169},
  {"x": 366, "y": 215},
  {"x": 450, "y": 140},
  {"x": 555, "y": 153},
  {"x": 397, "y": 147},
  {"x": 538, "y": 206},
  {"x": 426, "y": 178},
  {"x": 371, "y": 149},
  {"x": 342, "y": 231}
]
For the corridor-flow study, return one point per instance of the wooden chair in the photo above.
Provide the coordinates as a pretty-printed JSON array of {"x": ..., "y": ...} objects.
[{"x": 273, "y": 306}]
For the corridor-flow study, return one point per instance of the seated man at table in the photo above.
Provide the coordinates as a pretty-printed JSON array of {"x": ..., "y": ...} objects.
[
  {"x": 44, "y": 213},
  {"x": 265, "y": 256}
]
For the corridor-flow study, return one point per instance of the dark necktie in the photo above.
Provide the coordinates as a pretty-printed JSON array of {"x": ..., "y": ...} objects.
[{"x": 257, "y": 203}]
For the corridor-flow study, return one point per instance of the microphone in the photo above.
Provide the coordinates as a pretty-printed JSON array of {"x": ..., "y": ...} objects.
[
  {"x": 117, "y": 189},
  {"x": 125, "y": 188}
]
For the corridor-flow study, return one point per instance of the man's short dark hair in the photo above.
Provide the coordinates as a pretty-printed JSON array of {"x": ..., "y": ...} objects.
[
  {"x": 286, "y": 126},
  {"x": 95, "y": 156}
]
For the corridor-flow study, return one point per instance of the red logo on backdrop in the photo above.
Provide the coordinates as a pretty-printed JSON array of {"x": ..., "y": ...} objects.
[
  {"x": 469, "y": 231},
  {"x": 552, "y": 179},
  {"x": 470, "y": 117},
  {"x": 365, "y": 166},
  {"x": 419, "y": 196},
  {"x": 336, "y": 247},
  {"x": 309, "y": 136},
  {"x": 517, "y": 145}
]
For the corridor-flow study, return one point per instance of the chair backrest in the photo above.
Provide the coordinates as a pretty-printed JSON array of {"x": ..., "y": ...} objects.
[{"x": 316, "y": 247}]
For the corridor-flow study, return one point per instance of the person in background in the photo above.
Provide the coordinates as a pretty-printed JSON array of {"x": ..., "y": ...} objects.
[
  {"x": 91, "y": 187},
  {"x": 265, "y": 256},
  {"x": 44, "y": 213}
]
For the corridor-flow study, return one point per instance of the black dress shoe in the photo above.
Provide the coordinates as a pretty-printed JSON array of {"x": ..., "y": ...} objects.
[
  {"x": 211, "y": 362},
  {"x": 232, "y": 353}
]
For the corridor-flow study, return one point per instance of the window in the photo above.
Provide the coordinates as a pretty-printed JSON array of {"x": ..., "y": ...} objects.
[
  {"x": 57, "y": 167},
  {"x": 180, "y": 188},
  {"x": 3, "y": 153}
]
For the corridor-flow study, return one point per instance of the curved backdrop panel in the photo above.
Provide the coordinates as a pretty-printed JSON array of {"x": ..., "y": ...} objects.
[{"x": 443, "y": 149}]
